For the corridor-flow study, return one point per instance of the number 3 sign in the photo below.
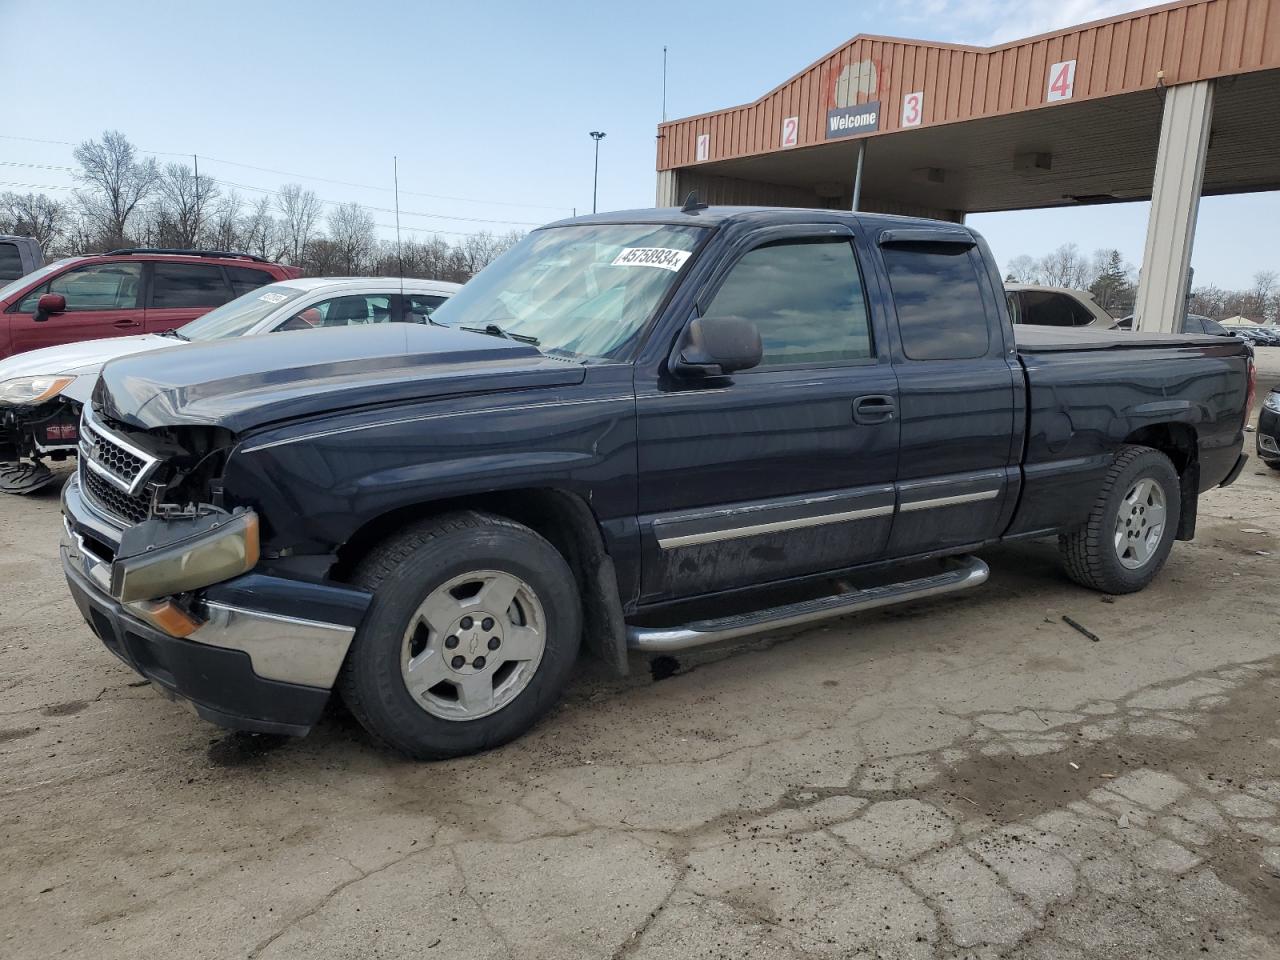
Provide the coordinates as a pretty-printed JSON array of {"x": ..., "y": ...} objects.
[
  {"x": 912, "y": 109},
  {"x": 1062, "y": 81}
]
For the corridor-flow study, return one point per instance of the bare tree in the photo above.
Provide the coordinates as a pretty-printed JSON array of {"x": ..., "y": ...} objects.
[
  {"x": 185, "y": 200},
  {"x": 261, "y": 230},
  {"x": 223, "y": 228},
  {"x": 354, "y": 237},
  {"x": 34, "y": 215},
  {"x": 300, "y": 218},
  {"x": 116, "y": 182},
  {"x": 1023, "y": 269},
  {"x": 1261, "y": 296},
  {"x": 1064, "y": 267}
]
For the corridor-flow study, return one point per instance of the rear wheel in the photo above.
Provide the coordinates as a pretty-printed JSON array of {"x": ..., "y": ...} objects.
[
  {"x": 471, "y": 636},
  {"x": 1131, "y": 527},
  {"x": 24, "y": 476}
]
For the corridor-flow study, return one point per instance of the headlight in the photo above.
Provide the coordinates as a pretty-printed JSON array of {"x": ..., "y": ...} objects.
[
  {"x": 225, "y": 550},
  {"x": 24, "y": 390},
  {"x": 1272, "y": 402}
]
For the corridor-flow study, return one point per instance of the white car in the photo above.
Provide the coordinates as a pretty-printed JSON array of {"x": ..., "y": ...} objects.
[
  {"x": 41, "y": 391},
  {"x": 1055, "y": 307}
]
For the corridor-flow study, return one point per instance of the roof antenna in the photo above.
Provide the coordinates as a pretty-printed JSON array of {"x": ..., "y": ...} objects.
[{"x": 692, "y": 204}]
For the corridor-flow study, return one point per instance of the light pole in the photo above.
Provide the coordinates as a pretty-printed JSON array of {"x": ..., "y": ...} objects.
[{"x": 597, "y": 136}]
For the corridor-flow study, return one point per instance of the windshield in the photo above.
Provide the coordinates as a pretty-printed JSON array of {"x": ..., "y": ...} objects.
[
  {"x": 583, "y": 290},
  {"x": 239, "y": 316},
  {"x": 24, "y": 281}
]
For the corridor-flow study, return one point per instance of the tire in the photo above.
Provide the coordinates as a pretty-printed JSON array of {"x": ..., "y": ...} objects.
[
  {"x": 1273, "y": 464},
  {"x": 402, "y": 678},
  {"x": 1118, "y": 549}
]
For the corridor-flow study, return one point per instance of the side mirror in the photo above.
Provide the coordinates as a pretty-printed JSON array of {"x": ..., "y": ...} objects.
[
  {"x": 49, "y": 304},
  {"x": 716, "y": 346}
]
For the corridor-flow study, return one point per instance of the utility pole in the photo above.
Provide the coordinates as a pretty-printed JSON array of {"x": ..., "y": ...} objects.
[{"x": 597, "y": 136}]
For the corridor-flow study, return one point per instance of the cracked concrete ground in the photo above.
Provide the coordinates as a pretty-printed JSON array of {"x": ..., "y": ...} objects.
[{"x": 967, "y": 777}]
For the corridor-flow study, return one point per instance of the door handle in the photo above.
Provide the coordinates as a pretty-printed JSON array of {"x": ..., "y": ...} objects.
[
  {"x": 122, "y": 324},
  {"x": 876, "y": 408}
]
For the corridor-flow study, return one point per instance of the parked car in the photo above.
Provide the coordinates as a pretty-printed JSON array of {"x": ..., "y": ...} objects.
[
  {"x": 1055, "y": 307},
  {"x": 1265, "y": 336},
  {"x": 1191, "y": 323},
  {"x": 18, "y": 257},
  {"x": 625, "y": 418},
  {"x": 41, "y": 391},
  {"x": 124, "y": 292},
  {"x": 1268, "y": 433}
]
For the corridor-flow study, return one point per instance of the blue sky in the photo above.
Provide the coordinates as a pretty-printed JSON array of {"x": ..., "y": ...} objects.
[{"x": 489, "y": 102}]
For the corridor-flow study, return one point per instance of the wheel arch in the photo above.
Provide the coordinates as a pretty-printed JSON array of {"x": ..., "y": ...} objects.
[
  {"x": 1181, "y": 444},
  {"x": 565, "y": 519}
]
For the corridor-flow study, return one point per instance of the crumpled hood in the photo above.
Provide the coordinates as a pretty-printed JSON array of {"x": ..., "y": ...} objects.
[{"x": 247, "y": 382}]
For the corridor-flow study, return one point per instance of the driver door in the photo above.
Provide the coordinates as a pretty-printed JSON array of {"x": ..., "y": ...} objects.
[
  {"x": 787, "y": 469},
  {"x": 103, "y": 300}
]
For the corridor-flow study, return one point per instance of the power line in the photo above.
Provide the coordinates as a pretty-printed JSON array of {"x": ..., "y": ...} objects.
[{"x": 305, "y": 176}]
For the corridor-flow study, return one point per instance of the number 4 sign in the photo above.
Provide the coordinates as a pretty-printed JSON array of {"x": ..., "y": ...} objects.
[
  {"x": 1062, "y": 81},
  {"x": 912, "y": 109},
  {"x": 790, "y": 131}
]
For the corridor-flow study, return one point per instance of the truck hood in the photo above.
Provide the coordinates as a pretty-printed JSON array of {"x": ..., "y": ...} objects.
[{"x": 248, "y": 382}]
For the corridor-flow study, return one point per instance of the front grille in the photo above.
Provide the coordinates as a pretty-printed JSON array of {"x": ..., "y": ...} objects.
[
  {"x": 112, "y": 499},
  {"x": 113, "y": 458}
]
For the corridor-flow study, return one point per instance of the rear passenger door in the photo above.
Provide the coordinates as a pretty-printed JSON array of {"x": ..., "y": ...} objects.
[
  {"x": 180, "y": 292},
  {"x": 957, "y": 461}
]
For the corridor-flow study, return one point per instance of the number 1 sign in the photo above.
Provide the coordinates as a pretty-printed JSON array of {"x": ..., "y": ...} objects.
[
  {"x": 704, "y": 147},
  {"x": 1062, "y": 81}
]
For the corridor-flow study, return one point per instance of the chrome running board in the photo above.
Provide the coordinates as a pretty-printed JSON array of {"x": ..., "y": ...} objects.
[{"x": 966, "y": 572}]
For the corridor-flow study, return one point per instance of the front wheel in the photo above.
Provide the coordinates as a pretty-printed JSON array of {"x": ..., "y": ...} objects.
[
  {"x": 1131, "y": 527},
  {"x": 471, "y": 636}
]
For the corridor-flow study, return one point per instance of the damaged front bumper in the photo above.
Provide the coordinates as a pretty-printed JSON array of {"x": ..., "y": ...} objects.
[{"x": 253, "y": 652}]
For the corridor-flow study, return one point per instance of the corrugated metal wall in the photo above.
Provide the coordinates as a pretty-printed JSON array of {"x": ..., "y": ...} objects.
[{"x": 1189, "y": 40}]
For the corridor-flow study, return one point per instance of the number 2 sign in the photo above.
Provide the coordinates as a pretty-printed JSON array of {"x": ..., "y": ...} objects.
[
  {"x": 913, "y": 109},
  {"x": 790, "y": 131},
  {"x": 1062, "y": 81}
]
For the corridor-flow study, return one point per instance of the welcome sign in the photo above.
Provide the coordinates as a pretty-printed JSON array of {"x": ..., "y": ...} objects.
[{"x": 847, "y": 121}]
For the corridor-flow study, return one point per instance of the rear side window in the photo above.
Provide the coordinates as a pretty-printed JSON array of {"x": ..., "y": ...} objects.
[
  {"x": 244, "y": 279},
  {"x": 10, "y": 263},
  {"x": 188, "y": 285},
  {"x": 1045, "y": 309},
  {"x": 1215, "y": 328},
  {"x": 936, "y": 291},
  {"x": 806, "y": 300}
]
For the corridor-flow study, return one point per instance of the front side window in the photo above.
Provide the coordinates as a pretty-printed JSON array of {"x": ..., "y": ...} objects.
[
  {"x": 353, "y": 310},
  {"x": 419, "y": 306},
  {"x": 587, "y": 290},
  {"x": 806, "y": 300},
  {"x": 97, "y": 286},
  {"x": 176, "y": 285},
  {"x": 936, "y": 291}
]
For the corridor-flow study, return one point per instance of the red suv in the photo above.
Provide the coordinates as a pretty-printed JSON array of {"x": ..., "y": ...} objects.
[{"x": 124, "y": 292}]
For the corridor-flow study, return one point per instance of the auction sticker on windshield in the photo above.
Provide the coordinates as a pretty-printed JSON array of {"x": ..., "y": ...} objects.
[
  {"x": 663, "y": 257},
  {"x": 273, "y": 297}
]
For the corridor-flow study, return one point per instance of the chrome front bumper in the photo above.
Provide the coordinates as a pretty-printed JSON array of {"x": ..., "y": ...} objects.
[{"x": 281, "y": 645}]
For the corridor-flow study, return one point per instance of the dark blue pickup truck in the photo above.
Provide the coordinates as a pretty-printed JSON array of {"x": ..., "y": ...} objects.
[{"x": 644, "y": 430}]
